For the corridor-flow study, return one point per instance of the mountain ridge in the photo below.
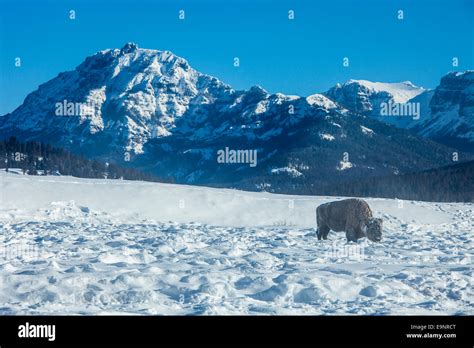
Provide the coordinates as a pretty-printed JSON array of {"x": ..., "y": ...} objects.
[
  {"x": 446, "y": 113},
  {"x": 151, "y": 110}
]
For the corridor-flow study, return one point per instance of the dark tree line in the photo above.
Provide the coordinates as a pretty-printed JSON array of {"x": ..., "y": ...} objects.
[
  {"x": 454, "y": 183},
  {"x": 38, "y": 158}
]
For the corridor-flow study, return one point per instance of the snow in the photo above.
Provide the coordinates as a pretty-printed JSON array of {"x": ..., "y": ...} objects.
[
  {"x": 18, "y": 171},
  {"x": 447, "y": 111},
  {"x": 206, "y": 153},
  {"x": 401, "y": 91},
  {"x": 279, "y": 98},
  {"x": 290, "y": 170},
  {"x": 444, "y": 112},
  {"x": 367, "y": 131},
  {"x": 326, "y": 136},
  {"x": 262, "y": 106},
  {"x": 468, "y": 74},
  {"x": 344, "y": 165},
  {"x": 89, "y": 246},
  {"x": 443, "y": 120},
  {"x": 321, "y": 100}
]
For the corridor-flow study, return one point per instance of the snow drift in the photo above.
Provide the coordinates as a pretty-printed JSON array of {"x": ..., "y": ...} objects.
[{"x": 84, "y": 246}]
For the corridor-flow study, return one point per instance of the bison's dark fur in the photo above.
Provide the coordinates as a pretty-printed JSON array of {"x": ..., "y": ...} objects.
[{"x": 352, "y": 216}]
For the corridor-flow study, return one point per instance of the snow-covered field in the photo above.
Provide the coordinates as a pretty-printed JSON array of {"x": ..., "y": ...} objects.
[{"x": 83, "y": 246}]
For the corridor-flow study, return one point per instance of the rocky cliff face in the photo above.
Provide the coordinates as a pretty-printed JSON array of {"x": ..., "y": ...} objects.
[
  {"x": 450, "y": 116},
  {"x": 365, "y": 97},
  {"x": 445, "y": 114}
]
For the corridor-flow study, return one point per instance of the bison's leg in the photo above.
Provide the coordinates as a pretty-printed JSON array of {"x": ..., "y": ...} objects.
[
  {"x": 323, "y": 229},
  {"x": 351, "y": 235},
  {"x": 360, "y": 230},
  {"x": 323, "y": 232}
]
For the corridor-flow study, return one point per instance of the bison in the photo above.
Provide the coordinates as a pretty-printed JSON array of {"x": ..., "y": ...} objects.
[{"x": 352, "y": 216}]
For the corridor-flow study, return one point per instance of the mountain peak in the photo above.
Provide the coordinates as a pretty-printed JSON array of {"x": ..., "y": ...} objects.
[
  {"x": 467, "y": 74},
  {"x": 257, "y": 89},
  {"x": 409, "y": 83},
  {"x": 401, "y": 92},
  {"x": 129, "y": 47},
  {"x": 382, "y": 85}
]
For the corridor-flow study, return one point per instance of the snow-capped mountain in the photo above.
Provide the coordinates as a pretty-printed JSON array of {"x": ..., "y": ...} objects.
[
  {"x": 132, "y": 95},
  {"x": 449, "y": 117},
  {"x": 445, "y": 114},
  {"x": 149, "y": 109},
  {"x": 365, "y": 97}
]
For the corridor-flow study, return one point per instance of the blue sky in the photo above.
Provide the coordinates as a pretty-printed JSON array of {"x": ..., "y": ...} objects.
[{"x": 302, "y": 56}]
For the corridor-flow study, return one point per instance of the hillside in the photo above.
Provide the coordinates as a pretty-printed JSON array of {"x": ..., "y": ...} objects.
[
  {"x": 454, "y": 183},
  {"x": 35, "y": 158}
]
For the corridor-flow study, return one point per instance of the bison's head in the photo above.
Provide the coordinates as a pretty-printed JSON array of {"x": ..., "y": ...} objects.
[{"x": 374, "y": 229}]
